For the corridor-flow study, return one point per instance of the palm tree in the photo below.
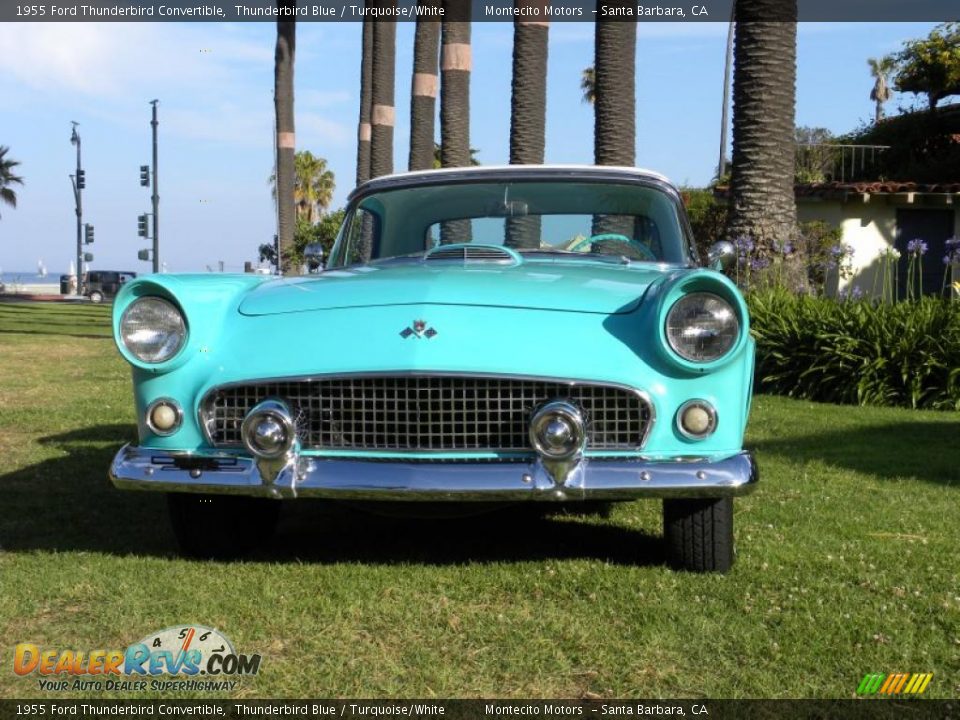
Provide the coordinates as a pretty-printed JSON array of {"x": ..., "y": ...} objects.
[
  {"x": 615, "y": 49},
  {"x": 880, "y": 69},
  {"x": 614, "y": 104},
  {"x": 7, "y": 178},
  {"x": 763, "y": 206},
  {"x": 528, "y": 99},
  {"x": 423, "y": 91},
  {"x": 382, "y": 112},
  {"x": 528, "y": 110},
  {"x": 455, "y": 66},
  {"x": 588, "y": 84},
  {"x": 285, "y": 135},
  {"x": 363, "y": 129},
  {"x": 313, "y": 187}
]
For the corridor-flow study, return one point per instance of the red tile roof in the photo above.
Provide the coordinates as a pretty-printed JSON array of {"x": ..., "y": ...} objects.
[{"x": 877, "y": 186}]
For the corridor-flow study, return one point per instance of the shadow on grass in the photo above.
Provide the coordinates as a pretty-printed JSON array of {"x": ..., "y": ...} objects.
[
  {"x": 67, "y": 504},
  {"x": 922, "y": 450}
]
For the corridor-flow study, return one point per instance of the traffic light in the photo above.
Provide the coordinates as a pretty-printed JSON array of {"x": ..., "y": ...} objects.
[
  {"x": 143, "y": 255},
  {"x": 88, "y": 233},
  {"x": 145, "y": 175},
  {"x": 81, "y": 179},
  {"x": 142, "y": 226},
  {"x": 88, "y": 257}
]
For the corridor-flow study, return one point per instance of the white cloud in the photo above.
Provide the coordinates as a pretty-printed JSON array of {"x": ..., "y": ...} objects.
[{"x": 111, "y": 59}]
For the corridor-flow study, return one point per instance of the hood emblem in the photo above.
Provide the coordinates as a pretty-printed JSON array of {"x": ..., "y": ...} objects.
[{"x": 419, "y": 329}]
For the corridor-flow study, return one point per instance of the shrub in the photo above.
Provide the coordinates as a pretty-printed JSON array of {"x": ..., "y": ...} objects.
[{"x": 858, "y": 352}]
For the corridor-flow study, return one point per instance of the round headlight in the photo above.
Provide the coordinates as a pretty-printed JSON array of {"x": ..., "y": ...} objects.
[
  {"x": 152, "y": 329},
  {"x": 702, "y": 327}
]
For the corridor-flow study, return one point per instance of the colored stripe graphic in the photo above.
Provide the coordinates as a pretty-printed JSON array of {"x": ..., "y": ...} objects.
[{"x": 894, "y": 684}]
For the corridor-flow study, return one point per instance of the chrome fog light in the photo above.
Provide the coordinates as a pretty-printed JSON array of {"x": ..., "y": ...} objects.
[
  {"x": 557, "y": 430},
  {"x": 268, "y": 430},
  {"x": 164, "y": 416},
  {"x": 696, "y": 419}
]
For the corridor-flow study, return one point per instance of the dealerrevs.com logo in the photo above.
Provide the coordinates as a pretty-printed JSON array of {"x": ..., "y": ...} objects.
[{"x": 200, "y": 658}]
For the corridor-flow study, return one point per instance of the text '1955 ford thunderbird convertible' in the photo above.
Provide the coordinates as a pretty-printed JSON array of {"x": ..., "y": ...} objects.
[{"x": 529, "y": 333}]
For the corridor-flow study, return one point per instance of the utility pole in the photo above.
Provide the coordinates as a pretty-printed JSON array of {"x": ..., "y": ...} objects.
[
  {"x": 156, "y": 193},
  {"x": 79, "y": 182}
]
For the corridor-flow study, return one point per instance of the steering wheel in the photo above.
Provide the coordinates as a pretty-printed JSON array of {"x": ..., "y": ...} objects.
[{"x": 641, "y": 249}]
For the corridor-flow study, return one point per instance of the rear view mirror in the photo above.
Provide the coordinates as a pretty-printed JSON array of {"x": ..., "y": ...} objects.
[
  {"x": 720, "y": 255},
  {"x": 313, "y": 255}
]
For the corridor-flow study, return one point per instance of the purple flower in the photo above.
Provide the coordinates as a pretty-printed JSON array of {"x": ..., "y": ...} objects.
[
  {"x": 952, "y": 243},
  {"x": 784, "y": 248},
  {"x": 917, "y": 247},
  {"x": 851, "y": 293},
  {"x": 744, "y": 245},
  {"x": 759, "y": 263}
]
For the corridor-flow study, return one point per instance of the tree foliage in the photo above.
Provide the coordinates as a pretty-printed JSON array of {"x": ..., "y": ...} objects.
[
  {"x": 323, "y": 232},
  {"x": 7, "y": 178},
  {"x": 931, "y": 66}
]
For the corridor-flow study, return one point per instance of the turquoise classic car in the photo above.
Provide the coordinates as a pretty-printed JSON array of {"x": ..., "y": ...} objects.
[{"x": 526, "y": 334}]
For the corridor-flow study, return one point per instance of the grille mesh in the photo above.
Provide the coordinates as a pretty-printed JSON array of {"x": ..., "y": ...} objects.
[{"x": 427, "y": 413}]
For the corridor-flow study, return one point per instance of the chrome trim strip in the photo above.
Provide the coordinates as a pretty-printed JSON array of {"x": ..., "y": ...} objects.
[
  {"x": 137, "y": 468},
  {"x": 643, "y": 395}
]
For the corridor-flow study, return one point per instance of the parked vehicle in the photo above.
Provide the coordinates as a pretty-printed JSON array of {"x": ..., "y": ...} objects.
[
  {"x": 100, "y": 285},
  {"x": 519, "y": 334}
]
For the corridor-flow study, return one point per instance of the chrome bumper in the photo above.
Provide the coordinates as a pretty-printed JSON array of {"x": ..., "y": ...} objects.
[{"x": 144, "y": 469}]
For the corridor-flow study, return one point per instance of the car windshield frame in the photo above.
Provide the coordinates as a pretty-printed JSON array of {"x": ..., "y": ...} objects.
[{"x": 682, "y": 250}]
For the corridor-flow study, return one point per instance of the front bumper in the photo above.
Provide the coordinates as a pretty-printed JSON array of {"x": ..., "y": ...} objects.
[{"x": 403, "y": 480}]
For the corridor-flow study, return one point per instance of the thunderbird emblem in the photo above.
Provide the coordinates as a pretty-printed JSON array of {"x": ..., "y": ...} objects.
[{"x": 419, "y": 329}]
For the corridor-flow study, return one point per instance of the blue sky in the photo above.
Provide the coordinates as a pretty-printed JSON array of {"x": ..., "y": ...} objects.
[{"x": 215, "y": 85}]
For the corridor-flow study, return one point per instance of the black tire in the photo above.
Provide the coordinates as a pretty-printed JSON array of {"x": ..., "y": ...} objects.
[
  {"x": 96, "y": 297},
  {"x": 698, "y": 534},
  {"x": 221, "y": 527}
]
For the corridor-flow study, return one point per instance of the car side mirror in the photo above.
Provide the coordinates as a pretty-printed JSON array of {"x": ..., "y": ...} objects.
[
  {"x": 313, "y": 254},
  {"x": 721, "y": 254}
]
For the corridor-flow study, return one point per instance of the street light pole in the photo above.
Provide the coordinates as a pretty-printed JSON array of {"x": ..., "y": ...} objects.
[
  {"x": 78, "y": 184},
  {"x": 156, "y": 193}
]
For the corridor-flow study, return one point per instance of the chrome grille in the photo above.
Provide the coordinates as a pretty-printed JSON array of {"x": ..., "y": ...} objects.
[{"x": 427, "y": 413}]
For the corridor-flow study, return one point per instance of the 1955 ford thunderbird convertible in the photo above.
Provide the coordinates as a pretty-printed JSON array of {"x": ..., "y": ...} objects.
[{"x": 528, "y": 333}]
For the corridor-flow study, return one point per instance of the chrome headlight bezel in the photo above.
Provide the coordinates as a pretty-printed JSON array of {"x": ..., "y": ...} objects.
[
  {"x": 172, "y": 328},
  {"x": 724, "y": 313}
]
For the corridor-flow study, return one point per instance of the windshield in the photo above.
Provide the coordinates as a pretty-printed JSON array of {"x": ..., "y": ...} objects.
[{"x": 634, "y": 221}]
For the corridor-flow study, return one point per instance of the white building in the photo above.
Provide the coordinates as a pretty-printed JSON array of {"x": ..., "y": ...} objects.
[{"x": 876, "y": 216}]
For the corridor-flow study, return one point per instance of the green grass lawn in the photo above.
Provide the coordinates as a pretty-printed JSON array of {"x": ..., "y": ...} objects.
[{"x": 847, "y": 562}]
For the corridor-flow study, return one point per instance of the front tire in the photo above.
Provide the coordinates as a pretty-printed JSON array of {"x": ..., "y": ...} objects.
[
  {"x": 698, "y": 534},
  {"x": 96, "y": 297},
  {"x": 221, "y": 527}
]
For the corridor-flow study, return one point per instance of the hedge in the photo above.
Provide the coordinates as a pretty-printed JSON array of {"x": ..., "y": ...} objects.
[{"x": 857, "y": 351}]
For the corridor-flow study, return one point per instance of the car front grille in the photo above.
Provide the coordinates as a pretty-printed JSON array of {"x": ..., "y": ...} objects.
[{"x": 427, "y": 413}]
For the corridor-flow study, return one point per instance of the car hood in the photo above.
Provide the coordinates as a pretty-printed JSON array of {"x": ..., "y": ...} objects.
[{"x": 572, "y": 286}]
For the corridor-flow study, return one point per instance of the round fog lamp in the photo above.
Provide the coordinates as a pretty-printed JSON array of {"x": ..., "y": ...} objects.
[
  {"x": 164, "y": 416},
  {"x": 268, "y": 430},
  {"x": 557, "y": 430},
  {"x": 697, "y": 419}
]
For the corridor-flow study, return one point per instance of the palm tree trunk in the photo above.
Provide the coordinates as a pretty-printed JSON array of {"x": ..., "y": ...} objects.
[
  {"x": 423, "y": 103},
  {"x": 455, "y": 65},
  {"x": 615, "y": 48},
  {"x": 383, "y": 113},
  {"x": 763, "y": 204},
  {"x": 363, "y": 130},
  {"x": 285, "y": 135},
  {"x": 528, "y": 110},
  {"x": 614, "y": 134}
]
